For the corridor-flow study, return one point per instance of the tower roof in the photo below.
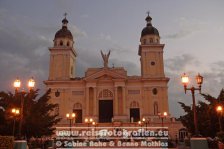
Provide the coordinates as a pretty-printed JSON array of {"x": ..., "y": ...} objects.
[
  {"x": 149, "y": 29},
  {"x": 64, "y": 32}
]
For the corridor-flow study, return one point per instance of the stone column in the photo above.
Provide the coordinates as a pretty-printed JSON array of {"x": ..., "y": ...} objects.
[
  {"x": 94, "y": 102},
  {"x": 124, "y": 100},
  {"x": 87, "y": 101},
  {"x": 115, "y": 103}
]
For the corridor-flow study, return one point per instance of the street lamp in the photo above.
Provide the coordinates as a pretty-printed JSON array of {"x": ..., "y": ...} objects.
[
  {"x": 70, "y": 117},
  {"x": 145, "y": 121},
  {"x": 94, "y": 125},
  {"x": 185, "y": 81},
  {"x": 162, "y": 116},
  {"x": 88, "y": 121},
  {"x": 219, "y": 109},
  {"x": 141, "y": 123},
  {"x": 15, "y": 113},
  {"x": 17, "y": 85}
]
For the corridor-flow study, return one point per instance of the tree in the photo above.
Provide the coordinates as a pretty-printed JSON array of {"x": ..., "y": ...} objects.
[
  {"x": 207, "y": 115},
  {"x": 38, "y": 115}
]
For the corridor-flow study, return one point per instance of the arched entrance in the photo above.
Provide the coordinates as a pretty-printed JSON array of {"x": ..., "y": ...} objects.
[
  {"x": 134, "y": 112},
  {"x": 105, "y": 106},
  {"x": 77, "y": 109}
]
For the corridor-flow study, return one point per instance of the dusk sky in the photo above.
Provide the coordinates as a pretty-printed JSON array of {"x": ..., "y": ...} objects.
[{"x": 192, "y": 31}]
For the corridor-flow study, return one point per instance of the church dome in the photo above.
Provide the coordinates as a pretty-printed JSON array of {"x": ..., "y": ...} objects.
[
  {"x": 149, "y": 29},
  {"x": 64, "y": 32},
  {"x": 63, "y": 37}
]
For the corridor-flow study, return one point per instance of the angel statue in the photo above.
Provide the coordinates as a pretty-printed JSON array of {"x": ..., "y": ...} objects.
[{"x": 105, "y": 58}]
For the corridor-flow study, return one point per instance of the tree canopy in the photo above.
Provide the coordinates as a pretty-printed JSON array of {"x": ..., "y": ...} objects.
[
  {"x": 39, "y": 117},
  {"x": 207, "y": 116}
]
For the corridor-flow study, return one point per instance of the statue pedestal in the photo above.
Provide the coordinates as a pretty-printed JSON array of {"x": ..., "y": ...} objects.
[{"x": 199, "y": 143}]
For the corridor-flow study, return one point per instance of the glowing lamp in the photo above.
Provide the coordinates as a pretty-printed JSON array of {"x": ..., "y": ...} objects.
[
  {"x": 31, "y": 83},
  {"x": 184, "y": 79},
  {"x": 219, "y": 109},
  {"x": 17, "y": 83},
  {"x": 199, "y": 79}
]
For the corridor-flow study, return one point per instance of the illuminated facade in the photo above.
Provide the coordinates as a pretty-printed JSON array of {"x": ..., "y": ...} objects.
[{"x": 108, "y": 94}]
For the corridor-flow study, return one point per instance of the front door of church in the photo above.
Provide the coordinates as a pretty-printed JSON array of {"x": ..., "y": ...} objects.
[
  {"x": 105, "y": 111},
  {"x": 134, "y": 114},
  {"x": 78, "y": 115}
]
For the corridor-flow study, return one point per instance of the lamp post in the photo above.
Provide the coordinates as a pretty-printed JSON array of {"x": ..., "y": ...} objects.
[
  {"x": 162, "y": 116},
  {"x": 94, "y": 125},
  {"x": 17, "y": 85},
  {"x": 15, "y": 113},
  {"x": 88, "y": 121},
  {"x": 185, "y": 81},
  {"x": 219, "y": 109},
  {"x": 140, "y": 123},
  {"x": 70, "y": 117},
  {"x": 146, "y": 122}
]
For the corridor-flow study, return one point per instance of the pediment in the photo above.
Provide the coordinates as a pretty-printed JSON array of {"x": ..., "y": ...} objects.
[{"x": 105, "y": 74}]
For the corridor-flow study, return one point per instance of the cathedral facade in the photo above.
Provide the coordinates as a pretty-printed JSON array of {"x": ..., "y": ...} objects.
[{"x": 107, "y": 94}]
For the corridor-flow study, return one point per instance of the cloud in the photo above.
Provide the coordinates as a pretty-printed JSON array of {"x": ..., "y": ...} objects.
[
  {"x": 186, "y": 27},
  {"x": 76, "y": 32},
  {"x": 180, "y": 63},
  {"x": 129, "y": 66},
  {"x": 22, "y": 55},
  {"x": 181, "y": 34},
  {"x": 218, "y": 66},
  {"x": 105, "y": 37}
]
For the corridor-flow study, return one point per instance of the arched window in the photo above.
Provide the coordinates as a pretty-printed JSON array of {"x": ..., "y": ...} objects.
[
  {"x": 61, "y": 43},
  {"x": 155, "y": 107},
  {"x": 106, "y": 93},
  {"x": 154, "y": 91},
  {"x": 68, "y": 44},
  {"x": 72, "y": 70},
  {"x": 77, "y": 106},
  {"x": 134, "y": 104}
]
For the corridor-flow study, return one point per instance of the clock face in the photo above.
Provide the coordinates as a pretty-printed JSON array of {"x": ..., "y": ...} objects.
[
  {"x": 153, "y": 63},
  {"x": 57, "y": 93}
]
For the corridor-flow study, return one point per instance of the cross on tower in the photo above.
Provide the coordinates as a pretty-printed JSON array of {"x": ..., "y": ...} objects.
[
  {"x": 65, "y": 14},
  {"x": 148, "y": 12}
]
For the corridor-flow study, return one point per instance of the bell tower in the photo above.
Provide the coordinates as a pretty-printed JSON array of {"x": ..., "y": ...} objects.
[
  {"x": 151, "y": 52},
  {"x": 152, "y": 70},
  {"x": 62, "y": 54}
]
